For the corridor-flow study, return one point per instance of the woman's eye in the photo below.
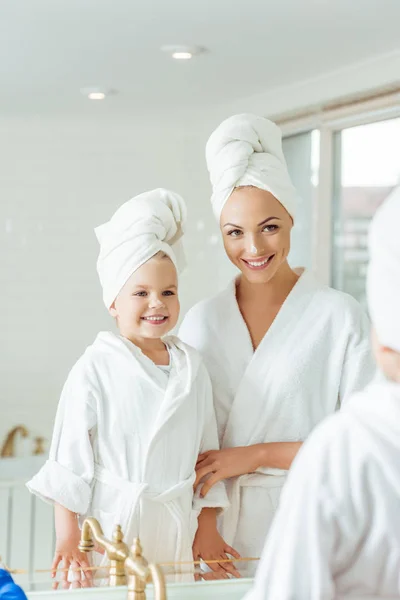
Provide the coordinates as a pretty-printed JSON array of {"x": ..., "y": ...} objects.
[
  {"x": 168, "y": 293},
  {"x": 234, "y": 232},
  {"x": 269, "y": 228},
  {"x": 142, "y": 294}
]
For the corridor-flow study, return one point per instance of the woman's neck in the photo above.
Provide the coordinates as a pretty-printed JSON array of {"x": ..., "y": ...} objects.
[{"x": 273, "y": 292}]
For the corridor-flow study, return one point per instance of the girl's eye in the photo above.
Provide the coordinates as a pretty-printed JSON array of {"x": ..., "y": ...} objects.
[
  {"x": 168, "y": 293},
  {"x": 269, "y": 228},
  {"x": 141, "y": 294},
  {"x": 234, "y": 232}
]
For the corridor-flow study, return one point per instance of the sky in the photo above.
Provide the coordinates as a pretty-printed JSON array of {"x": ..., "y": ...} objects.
[{"x": 371, "y": 154}]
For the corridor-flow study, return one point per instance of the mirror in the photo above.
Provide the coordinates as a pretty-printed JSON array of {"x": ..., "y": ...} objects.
[{"x": 100, "y": 102}]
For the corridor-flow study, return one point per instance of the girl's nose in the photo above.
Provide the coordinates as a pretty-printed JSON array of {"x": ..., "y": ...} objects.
[{"x": 156, "y": 302}]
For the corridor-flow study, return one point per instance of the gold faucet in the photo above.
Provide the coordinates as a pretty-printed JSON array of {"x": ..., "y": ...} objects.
[
  {"x": 140, "y": 572},
  {"x": 117, "y": 551},
  {"x": 121, "y": 559},
  {"x": 8, "y": 448}
]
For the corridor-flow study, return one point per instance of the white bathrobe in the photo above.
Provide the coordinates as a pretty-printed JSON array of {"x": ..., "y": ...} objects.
[
  {"x": 315, "y": 354},
  {"x": 337, "y": 530},
  {"x": 125, "y": 444}
]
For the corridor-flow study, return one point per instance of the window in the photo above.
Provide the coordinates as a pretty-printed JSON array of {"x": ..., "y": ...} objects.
[
  {"x": 302, "y": 157},
  {"x": 344, "y": 161},
  {"x": 366, "y": 169}
]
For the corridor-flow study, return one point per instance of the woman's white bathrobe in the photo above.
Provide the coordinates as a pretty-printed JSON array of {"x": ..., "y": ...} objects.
[
  {"x": 315, "y": 354},
  {"x": 337, "y": 531},
  {"x": 125, "y": 444}
]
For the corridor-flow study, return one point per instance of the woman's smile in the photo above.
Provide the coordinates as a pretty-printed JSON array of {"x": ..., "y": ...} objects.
[{"x": 258, "y": 264}]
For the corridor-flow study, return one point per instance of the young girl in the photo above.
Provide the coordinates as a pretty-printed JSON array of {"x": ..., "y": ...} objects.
[{"x": 136, "y": 409}]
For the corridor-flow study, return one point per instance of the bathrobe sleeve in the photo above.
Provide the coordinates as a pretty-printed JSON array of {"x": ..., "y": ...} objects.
[
  {"x": 197, "y": 331},
  {"x": 66, "y": 476},
  {"x": 321, "y": 518},
  {"x": 359, "y": 366},
  {"x": 217, "y": 496}
]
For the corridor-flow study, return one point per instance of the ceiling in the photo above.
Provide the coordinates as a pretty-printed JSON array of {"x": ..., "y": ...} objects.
[{"x": 49, "y": 49}]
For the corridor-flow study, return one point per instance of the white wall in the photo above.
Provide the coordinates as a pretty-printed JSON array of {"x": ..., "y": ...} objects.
[
  {"x": 58, "y": 180},
  {"x": 376, "y": 73}
]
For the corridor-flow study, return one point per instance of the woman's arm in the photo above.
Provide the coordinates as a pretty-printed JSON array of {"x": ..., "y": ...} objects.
[
  {"x": 278, "y": 455},
  {"x": 232, "y": 462}
]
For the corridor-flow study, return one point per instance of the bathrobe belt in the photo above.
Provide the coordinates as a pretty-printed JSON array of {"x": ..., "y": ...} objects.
[
  {"x": 131, "y": 493},
  {"x": 230, "y": 518}
]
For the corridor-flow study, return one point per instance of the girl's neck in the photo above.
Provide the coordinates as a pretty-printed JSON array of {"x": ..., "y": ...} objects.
[
  {"x": 153, "y": 348},
  {"x": 273, "y": 292}
]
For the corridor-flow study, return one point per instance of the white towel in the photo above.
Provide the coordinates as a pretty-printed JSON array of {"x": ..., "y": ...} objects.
[
  {"x": 384, "y": 272},
  {"x": 149, "y": 223},
  {"x": 247, "y": 150}
]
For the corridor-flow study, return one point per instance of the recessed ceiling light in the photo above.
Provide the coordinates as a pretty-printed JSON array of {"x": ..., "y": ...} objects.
[
  {"x": 96, "y": 96},
  {"x": 95, "y": 93},
  {"x": 182, "y": 52},
  {"x": 182, "y": 55}
]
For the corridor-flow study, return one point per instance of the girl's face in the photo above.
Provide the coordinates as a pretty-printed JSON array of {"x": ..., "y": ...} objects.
[
  {"x": 256, "y": 233},
  {"x": 148, "y": 304}
]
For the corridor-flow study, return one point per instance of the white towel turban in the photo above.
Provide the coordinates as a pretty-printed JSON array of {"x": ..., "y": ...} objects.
[
  {"x": 247, "y": 150},
  {"x": 147, "y": 224},
  {"x": 383, "y": 286}
]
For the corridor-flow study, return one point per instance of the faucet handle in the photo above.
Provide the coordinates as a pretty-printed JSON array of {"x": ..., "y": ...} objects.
[
  {"x": 137, "y": 553},
  {"x": 39, "y": 446},
  {"x": 139, "y": 572},
  {"x": 118, "y": 534},
  {"x": 86, "y": 545},
  {"x": 116, "y": 549}
]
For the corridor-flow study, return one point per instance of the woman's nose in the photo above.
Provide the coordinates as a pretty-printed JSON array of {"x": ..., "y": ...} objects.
[{"x": 254, "y": 245}]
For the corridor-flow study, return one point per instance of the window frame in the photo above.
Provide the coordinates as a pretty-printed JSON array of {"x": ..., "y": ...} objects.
[{"x": 330, "y": 121}]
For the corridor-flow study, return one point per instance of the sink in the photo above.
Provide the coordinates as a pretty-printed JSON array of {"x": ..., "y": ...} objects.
[
  {"x": 21, "y": 468},
  {"x": 215, "y": 590}
]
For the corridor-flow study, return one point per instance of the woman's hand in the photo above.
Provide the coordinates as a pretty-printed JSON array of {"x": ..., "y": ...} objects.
[
  {"x": 229, "y": 462},
  {"x": 209, "y": 545}
]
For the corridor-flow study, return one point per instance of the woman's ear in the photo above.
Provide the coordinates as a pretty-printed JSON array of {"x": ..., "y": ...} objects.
[{"x": 113, "y": 311}]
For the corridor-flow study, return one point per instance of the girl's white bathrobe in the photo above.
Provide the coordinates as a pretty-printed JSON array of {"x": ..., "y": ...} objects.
[
  {"x": 315, "y": 354},
  {"x": 126, "y": 439},
  {"x": 337, "y": 531}
]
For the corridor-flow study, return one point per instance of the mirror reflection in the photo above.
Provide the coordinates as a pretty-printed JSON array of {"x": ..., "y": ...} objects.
[{"x": 175, "y": 326}]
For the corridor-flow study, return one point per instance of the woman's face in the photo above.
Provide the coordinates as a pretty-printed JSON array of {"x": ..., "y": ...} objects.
[{"x": 256, "y": 233}]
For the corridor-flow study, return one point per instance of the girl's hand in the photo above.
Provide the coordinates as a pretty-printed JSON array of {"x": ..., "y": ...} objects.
[
  {"x": 68, "y": 536},
  {"x": 229, "y": 462},
  {"x": 67, "y": 552},
  {"x": 209, "y": 545}
]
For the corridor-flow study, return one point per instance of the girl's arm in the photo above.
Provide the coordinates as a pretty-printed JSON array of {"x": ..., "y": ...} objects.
[
  {"x": 67, "y": 540},
  {"x": 67, "y": 475}
]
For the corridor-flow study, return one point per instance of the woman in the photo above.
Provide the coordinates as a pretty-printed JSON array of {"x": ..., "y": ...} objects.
[
  {"x": 341, "y": 538},
  {"x": 282, "y": 350}
]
